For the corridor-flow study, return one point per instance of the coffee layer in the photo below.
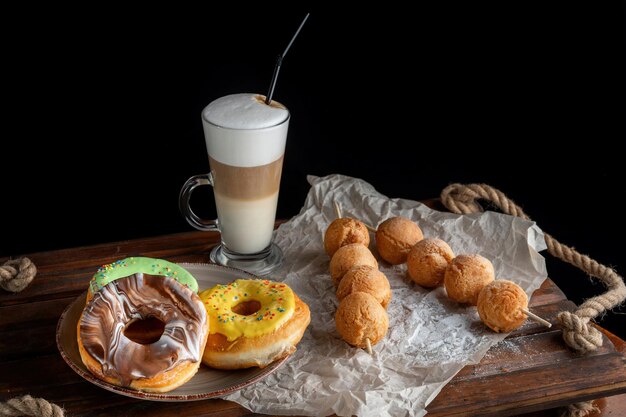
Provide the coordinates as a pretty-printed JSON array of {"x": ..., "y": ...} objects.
[{"x": 246, "y": 183}]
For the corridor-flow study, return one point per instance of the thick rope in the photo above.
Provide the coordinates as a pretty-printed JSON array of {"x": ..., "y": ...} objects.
[
  {"x": 577, "y": 332},
  {"x": 16, "y": 274},
  {"x": 29, "y": 406}
]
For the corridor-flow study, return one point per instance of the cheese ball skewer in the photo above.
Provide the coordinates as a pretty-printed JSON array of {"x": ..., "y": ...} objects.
[
  {"x": 503, "y": 306},
  {"x": 343, "y": 231},
  {"x": 466, "y": 276},
  {"x": 428, "y": 260},
  {"x": 361, "y": 320},
  {"x": 338, "y": 213},
  {"x": 348, "y": 257},
  {"x": 368, "y": 343},
  {"x": 365, "y": 278},
  {"x": 395, "y": 237}
]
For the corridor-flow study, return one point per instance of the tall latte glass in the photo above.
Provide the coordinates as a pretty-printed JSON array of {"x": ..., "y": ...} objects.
[{"x": 245, "y": 140}]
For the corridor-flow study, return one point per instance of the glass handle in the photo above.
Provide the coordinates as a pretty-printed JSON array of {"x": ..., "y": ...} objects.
[{"x": 183, "y": 203}]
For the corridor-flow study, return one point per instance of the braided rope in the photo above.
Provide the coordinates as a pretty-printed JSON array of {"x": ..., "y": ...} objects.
[
  {"x": 16, "y": 274},
  {"x": 29, "y": 406},
  {"x": 577, "y": 332}
]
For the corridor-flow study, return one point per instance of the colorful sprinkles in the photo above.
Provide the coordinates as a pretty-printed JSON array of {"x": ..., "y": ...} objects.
[
  {"x": 276, "y": 300},
  {"x": 129, "y": 266}
]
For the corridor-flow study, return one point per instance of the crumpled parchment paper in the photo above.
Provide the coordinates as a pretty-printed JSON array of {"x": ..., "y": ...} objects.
[{"x": 430, "y": 337}]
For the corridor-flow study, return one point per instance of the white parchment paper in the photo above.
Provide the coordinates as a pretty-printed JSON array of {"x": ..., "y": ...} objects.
[{"x": 430, "y": 338}]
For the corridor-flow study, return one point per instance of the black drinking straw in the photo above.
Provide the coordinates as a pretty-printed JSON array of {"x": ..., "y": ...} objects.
[{"x": 279, "y": 62}]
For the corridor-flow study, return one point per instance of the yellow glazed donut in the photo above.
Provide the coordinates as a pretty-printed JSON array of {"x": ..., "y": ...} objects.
[{"x": 252, "y": 323}]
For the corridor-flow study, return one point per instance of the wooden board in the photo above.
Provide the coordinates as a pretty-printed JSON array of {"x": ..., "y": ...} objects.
[{"x": 531, "y": 370}]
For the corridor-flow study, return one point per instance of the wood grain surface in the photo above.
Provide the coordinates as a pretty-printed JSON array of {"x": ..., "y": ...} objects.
[{"x": 532, "y": 370}]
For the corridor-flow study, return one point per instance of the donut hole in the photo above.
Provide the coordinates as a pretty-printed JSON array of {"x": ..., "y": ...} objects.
[
  {"x": 144, "y": 331},
  {"x": 247, "y": 308}
]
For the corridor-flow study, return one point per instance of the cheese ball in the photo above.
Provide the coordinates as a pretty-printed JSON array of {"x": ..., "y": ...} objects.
[
  {"x": 427, "y": 262},
  {"x": 466, "y": 276},
  {"x": 344, "y": 231},
  {"x": 499, "y": 305},
  {"x": 395, "y": 237},
  {"x": 367, "y": 279},
  {"x": 359, "y": 317},
  {"x": 347, "y": 257}
]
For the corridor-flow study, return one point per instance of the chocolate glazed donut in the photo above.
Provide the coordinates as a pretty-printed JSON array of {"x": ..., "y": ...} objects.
[{"x": 159, "y": 364}]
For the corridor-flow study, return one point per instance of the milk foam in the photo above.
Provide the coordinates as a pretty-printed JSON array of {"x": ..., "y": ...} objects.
[
  {"x": 244, "y": 111},
  {"x": 241, "y": 130}
]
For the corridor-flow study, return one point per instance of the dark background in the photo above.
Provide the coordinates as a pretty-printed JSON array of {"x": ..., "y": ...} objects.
[{"x": 102, "y": 113}]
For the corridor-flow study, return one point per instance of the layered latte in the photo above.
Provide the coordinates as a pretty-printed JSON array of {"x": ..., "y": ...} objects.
[{"x": 245, "y": 140}]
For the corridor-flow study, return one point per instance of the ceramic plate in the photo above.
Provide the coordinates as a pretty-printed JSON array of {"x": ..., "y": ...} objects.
[{"x": 207, "y": 383}]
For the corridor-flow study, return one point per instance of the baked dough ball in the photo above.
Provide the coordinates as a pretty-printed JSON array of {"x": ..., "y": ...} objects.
[
  {"x": 466, "y": 276},
  {"x": 395, "y": 237},
  {"x": 499, "y": 305},
  {"x": 360, "y": 316},
  {"x": 344, "y": 231},
  {"x": 367, "y": 279},
  {"x": 427, "y": 261},
  {"x": 348, "y": 256}
]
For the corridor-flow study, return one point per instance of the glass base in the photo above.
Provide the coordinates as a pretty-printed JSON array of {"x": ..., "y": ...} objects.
[{"x": 259, "y": 264}]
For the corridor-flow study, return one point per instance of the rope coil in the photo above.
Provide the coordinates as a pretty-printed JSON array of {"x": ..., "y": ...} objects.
[
  {"x": 577, "y": 332},
  {"x": 16, "y": 274},
  {"x": 29, "y": 406}
]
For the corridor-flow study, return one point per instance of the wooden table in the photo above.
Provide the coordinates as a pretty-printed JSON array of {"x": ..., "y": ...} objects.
[{"x": 531, "y": 370}]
